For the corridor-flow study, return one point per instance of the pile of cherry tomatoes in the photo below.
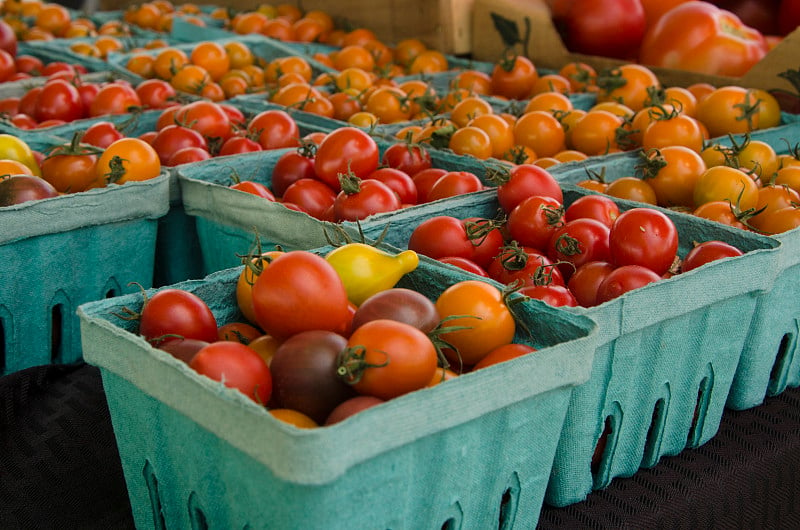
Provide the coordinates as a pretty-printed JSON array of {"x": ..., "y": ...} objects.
[{"x": 515, "y": 121}]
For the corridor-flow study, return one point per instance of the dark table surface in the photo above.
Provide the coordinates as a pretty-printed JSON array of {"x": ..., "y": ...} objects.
[{"x": 59, "y": 466}]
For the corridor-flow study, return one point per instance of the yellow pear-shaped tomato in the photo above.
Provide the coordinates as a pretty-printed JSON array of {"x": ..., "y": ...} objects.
[
  {"x": 366, "y": 270},
  {"x": 13, "y": 148}
]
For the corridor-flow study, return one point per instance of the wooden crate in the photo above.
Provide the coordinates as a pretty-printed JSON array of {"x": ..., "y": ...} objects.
[{"x": 444, "y": 25}]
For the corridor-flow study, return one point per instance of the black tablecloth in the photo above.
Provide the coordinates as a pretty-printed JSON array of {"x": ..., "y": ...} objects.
[{"x": 59, "y": 466}]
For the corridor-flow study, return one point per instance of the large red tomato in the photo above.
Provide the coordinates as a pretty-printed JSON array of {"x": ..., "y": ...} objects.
[
  {"x": 601, "y": 27},
  {"x": 700, "y": 37},
  {"x": 788, "y": 16}
]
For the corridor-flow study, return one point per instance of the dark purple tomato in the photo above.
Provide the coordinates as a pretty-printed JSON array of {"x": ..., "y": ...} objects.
[
  {"x": 17, "y": 189},
  {"x": 400, "y": 304},
  {"x": 304, "y": 374}
]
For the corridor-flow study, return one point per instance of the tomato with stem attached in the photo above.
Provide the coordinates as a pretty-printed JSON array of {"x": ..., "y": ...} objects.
[
  {"x": 127, "y": 159},
  {"x": 480, "y": 309},
  {"x": 387, "y": 358}
]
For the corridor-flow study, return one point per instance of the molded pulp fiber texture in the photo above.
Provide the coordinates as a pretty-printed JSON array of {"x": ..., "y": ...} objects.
[
  {"x": 59, "y": 253},
  {"x": 770, "y": 360},
  {"x": 226, "y": 218},
  {"x": 461, "y": 453},
  {"x": 664, "y": 350}
]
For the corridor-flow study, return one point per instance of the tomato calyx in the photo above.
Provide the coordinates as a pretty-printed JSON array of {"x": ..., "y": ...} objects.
[
  {"x": 440, "y": 344},
  {"x": 516, "y": 155},
  {"x": 789, "y": 101},
  {"x": 427, "y": 101},
  {"x": 116, "y": 169},
  {"x": 567, "y": 245},
  {"x": 596, "y": 176},
  {"x": 130, "y": 123},
  {"x": 349, "y": 182},
  {"x": 748, "y": 110},
  {"x": 656, "y": 95},
  {"x": 512, "y": 298},
  {"x": 440, "y": 138},
  {"x": 650, "y": 163},
  {"x": 158, "y": 341},
  {"x": 744, "y": 216},
  {"x": 624, "y": 139},
  {"x": 543, "y": 275},
  {"x": 342, "y": 237},
  {"x": 499, "y": 174},
  {"x": 131, "y": 314},
  {"x": 509, "y": 33},
  {"x": 792, "y": 150},
  {"x": 661, "y": 112},
  {"x": 74, "y": 148},
  {"x": 307, "y": 148},
  {"x": 513, "y": 257},
  {"x": 610, "y": 79},
  {"x": 478, "y": 230},
  {"x": 256, "y": 258},
  {"x": 351, "y": 364}
]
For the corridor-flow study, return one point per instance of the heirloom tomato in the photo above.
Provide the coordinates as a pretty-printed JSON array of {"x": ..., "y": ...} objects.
[
  {"x": 700, "y": 37},
  {"x": 304, "y": 374},
  {"x": 16, "y": 189}
]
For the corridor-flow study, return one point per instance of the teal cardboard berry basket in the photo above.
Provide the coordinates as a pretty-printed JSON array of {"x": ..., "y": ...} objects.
[
  {"x": 459, "y": 455},
  {"x": 227, "y": 220},
  {"x": 770, "y": 360},
  {"x": 61, "y": 252}
]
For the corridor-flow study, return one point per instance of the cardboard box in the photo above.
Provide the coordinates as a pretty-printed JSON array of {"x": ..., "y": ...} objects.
[
  {"x": 444, "y": 25},
  {"x": 547, "y": 49}
]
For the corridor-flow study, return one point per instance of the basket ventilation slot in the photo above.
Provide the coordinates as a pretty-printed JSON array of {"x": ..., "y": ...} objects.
[
  {"x": 155, "y": 500},
  {"x": 786, "y": 351}
]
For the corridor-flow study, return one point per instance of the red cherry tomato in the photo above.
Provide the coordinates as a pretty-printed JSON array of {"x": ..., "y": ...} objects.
[
  {"x": 706, "y": 252},
  {"x": 646, "y": 237},
  {"x": 624, "y": 279},
  {"x": 177, "y": 312},
  {"x": 344, "y": 150},
  {"x": 236, "y": 366}
]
